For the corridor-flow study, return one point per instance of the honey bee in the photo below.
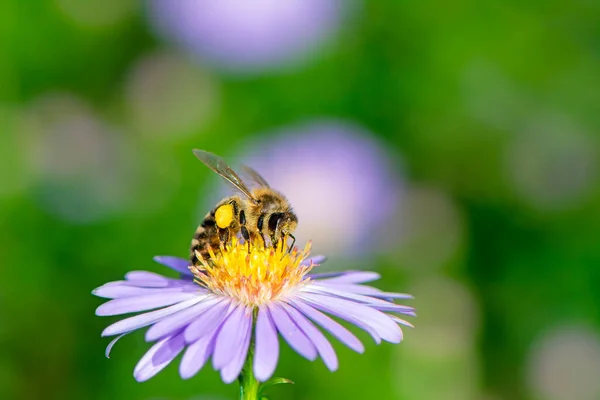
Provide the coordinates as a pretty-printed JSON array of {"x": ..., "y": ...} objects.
[{"x": 259, "y": 214}]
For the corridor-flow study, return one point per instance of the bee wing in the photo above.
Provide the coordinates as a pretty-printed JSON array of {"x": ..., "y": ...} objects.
[
  {"x": 219, "y": 165},
  {"x": 255, "y": 176}
]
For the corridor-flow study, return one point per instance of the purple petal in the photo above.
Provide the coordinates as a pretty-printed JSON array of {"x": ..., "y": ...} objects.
[
  {"x": 147, "y": 284},
  {"x": 206, "y": 322},
  {"x": 348, "y": 287},
  {"x": 325, "y": 275},
  {"x": 117, "y": 291},
  {"x": 406, "y": 310},
  {"x": 401, "y": 321},
  {"x": 330, "y": 290},
  {"x": 111, "y": 344},
  {"x": 158, "y": 357},
  {"x": 178, "y": 264},
  {"x": 139, "y": 321},
  {"x": 359, "y": 314},
  {"x": 147, "y": 279},
  {"x": 316, "y": 260},
  {"x": 266, "y": 347},
  {"x": 315, "y": 336},
  {"x": 363, "y": 289},
  {"x": 154, "y": 284},
  {"x": 177, "y": 321},
  {"x": 354, "y": 277},
  {"x": 197, "y": 354},
  {"x": 169, "y": 283},
  {"x": 380, "y": 304},
  {"x": 143, "y": 303},
  {"x": 232, "y": 370},
  {"x": 392, "y": 295},
  {"x": 110, "y": 291},
  {"x": 231, "y": 336},
  {"x": 349, "y": 317},
  {"x": 330, "y": 325},
  {"x": 291, "y": 333}
]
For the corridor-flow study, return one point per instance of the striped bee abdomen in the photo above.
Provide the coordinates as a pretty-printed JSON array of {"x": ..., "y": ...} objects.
[
  {"x": 215, "y": 229},
  {"x": 205, "y": 235}
]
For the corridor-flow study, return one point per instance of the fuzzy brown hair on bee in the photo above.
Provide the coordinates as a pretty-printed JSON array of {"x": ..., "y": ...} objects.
[{"x": 259, "y": 214}]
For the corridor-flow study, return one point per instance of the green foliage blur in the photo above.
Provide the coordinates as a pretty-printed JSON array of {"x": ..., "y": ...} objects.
[{"x": 493, "y": 108}]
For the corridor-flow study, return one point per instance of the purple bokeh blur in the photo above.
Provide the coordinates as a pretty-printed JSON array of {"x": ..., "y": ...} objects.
[
  {"x": 344, "y": 186},
  {"x": 248, "y": 36}
]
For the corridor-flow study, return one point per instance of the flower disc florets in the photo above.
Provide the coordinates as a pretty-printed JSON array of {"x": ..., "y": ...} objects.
[{"x": 251, "y": 273}]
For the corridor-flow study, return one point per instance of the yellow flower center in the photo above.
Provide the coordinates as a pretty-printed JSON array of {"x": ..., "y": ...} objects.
[{"x": 251, "y": 273}]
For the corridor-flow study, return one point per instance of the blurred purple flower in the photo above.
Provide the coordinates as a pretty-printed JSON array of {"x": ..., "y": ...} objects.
[
  {"x": 359, "y": 185},
  {"x": 239, "y": 295},
  {"x": 78, "y": 161},
  {"x": 257, "y": 35}
]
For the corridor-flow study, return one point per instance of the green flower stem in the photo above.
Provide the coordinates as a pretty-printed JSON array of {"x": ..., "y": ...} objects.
[{"x": 248, "y": 384}]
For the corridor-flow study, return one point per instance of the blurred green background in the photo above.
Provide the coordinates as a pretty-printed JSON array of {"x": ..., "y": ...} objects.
[{"x": 489, "y": 113}]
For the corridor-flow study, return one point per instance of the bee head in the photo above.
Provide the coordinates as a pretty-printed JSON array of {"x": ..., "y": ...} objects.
[{"x": 281, "y": 225}]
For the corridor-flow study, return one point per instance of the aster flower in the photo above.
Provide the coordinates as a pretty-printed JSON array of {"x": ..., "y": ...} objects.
[{"x": 233, "y": 308}]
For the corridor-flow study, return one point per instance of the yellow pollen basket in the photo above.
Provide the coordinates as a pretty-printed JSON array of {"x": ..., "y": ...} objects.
[
  {"x": 224, "y": 216},
  {"x": 252, "y": 274}
]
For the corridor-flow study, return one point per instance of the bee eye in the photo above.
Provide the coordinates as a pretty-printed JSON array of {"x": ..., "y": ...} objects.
[{"x": 274, "y": 221}]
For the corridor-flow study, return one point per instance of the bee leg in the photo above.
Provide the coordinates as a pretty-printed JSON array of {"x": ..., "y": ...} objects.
[
  {"x": 243, "y": 229},
  {"x": 262, "y": 236},
  {"x": 224, "y": 235},
  {"x": 246, "y": 236},
  {"x": 245, "y": 233},
  {"x": 293, "y": 243}
]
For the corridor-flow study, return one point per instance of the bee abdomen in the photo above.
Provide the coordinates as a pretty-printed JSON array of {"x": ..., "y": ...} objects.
[
  {"x": 215, "y": 229},
  {"x": 207, "y": 223},
  {"x": 200, "y": 244},
  {"x": 204, "y": 237}
]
